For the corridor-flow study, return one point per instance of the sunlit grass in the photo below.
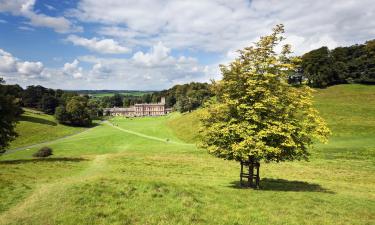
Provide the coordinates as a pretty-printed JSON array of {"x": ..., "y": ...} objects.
[{"x": 108, "y": 176}]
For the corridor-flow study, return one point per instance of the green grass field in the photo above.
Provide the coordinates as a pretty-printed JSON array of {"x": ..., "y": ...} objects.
[
  {"x": 35, "y": 127},
  {"x": 148, "y": 171}
]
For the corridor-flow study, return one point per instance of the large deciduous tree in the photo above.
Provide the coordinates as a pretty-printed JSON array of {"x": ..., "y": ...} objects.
[
  {"x": 256, "y": 112},
  {"x": 8, "y": 115}
]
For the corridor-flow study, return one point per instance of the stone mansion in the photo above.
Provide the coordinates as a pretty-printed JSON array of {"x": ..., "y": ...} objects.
[{"x": 149, "y": 109}]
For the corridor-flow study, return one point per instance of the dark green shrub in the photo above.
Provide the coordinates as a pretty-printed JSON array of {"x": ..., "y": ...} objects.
[{"x": 43, "y": 152}]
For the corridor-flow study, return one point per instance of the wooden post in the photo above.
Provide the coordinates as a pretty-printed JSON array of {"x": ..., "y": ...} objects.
[{"x": 251, "y": 173}]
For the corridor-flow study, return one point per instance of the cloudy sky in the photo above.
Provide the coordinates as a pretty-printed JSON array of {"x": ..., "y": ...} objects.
[{"x": 154, "y": 44}]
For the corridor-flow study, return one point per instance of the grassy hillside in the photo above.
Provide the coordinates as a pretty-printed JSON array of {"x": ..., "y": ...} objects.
[
  {"x": 185, "y": 126},
  {"x": 129, "y": 173},
  {"x": 35, "y": 127}
]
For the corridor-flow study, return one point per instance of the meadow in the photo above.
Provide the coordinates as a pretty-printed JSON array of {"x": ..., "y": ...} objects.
[{"x": 149, "y": 171}]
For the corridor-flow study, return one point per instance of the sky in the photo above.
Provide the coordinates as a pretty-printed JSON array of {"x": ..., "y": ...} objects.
[{"x": 155, "y": 44}]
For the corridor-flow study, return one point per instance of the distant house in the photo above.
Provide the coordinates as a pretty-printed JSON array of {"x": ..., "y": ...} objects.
[{"x": 151, "y": 109}]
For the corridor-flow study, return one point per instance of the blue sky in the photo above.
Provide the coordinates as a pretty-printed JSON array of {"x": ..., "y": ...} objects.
[{"x": 154, "y": 44}]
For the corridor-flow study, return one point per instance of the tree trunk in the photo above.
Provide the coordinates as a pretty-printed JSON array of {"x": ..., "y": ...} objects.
[{"x": 249, "y": 175}]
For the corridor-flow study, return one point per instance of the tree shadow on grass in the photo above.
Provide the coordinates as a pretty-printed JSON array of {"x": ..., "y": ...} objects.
[
  {"x": 37, "y": 120},
  {"x": 268, "y": 184},
  {"x": 36, "y": 160}
]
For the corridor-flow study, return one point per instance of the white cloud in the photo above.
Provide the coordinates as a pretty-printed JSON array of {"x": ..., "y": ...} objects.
[
  {"x": 25, "y": 8},
  {"x": 72, "y": 69},
  {"x": 158, "y": 54},
  {"x": 104, "y": 46},
  {"x": 201, "y": 28},
  {"x": 26, "y": 28},
  {"x": 50, "y": 7},
  {"x": 221, "y": 26},
  {"x": 13, "y": 68},
  {"x": 155, "y": 69},
  {"x": 8, "y": 63},
  {"x": 27, "y": 68}
]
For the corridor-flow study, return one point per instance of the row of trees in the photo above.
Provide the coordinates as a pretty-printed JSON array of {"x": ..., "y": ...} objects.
[
  {"x": 68, "y": 107},
  {"x": 354, "y": 64},
  {"x": 182, "y": 98},
  {"x": 187, "y": 97}
]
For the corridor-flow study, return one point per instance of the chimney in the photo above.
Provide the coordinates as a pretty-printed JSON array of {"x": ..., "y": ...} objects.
[{"x": 162, "y": 101}]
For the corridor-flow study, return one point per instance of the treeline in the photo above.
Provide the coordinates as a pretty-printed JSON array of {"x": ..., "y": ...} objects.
[
  {"x": 182, "y": 98},
  {"x": 69, "y": 108},
  {"x": 187, "y": 97},
  {"x": 354, "y": 64}
]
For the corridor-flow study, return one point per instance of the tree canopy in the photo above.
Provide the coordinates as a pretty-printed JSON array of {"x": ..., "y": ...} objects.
[
  {"x": 256, "y": 112},
  {"x": 76, "y": 112},
  {"x": 354, "y": 64},
  {"x": 9, "y": 109}
]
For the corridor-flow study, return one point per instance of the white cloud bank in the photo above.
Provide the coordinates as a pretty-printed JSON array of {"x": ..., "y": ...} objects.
[
  {"x": 151, "y": 70},
  {"x": 12, "y": 68},
  {"x": 222, "y": 26},
  {"x": 169, "y": 28},
  {"x": 105, "y": 46}
]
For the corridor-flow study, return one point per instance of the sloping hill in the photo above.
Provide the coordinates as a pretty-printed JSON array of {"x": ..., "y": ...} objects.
[
  {"x": 348, "y": 109},
  {"x": 120, "y": 174},
  {"x": 35, "y": 127},
  {"x": 185, "y": 126}
]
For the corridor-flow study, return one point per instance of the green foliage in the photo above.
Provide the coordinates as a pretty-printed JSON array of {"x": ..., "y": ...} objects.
[
  {"x": 94, "y": 108},
  {"x": 184, "y": 98},
  {"x": 43, "y": 152},
  {"x": 75, "y": 112},
  {"x": 9, "y": 109},
  {"x": 187, "y": 97},
  {"x": 49, "y": 103},
  {"x": 323, "y": 67},
  {"x": 257, "y": 112}
]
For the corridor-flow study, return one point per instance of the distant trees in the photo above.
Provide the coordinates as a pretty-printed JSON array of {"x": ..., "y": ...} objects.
[
  {"x": 256, "y": 113},
  {"x": 48, "y": 103},
  {"x": 354, "y": 64},
  {"x": 9, "y": 109},
  {"x": 43, "y": 99},
  {"x": 75, "y": 112},
  {"x": 187, "y": 97},
  {"x": 183, "y": 98}
]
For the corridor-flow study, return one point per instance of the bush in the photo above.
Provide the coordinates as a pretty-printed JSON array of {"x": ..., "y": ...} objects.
[{"x": 43, "y": 152}]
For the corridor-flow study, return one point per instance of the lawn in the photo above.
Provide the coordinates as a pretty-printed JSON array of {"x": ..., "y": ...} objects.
[
  {"x": 147, "y": 171},
  {"x": 35, "y": 127}
]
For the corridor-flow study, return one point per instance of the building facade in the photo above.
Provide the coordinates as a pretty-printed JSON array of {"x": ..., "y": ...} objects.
[{"x": 152, "y": 109}]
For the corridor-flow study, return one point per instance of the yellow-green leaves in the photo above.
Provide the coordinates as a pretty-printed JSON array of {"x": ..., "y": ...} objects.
[{"x": 257, "y": 112}]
